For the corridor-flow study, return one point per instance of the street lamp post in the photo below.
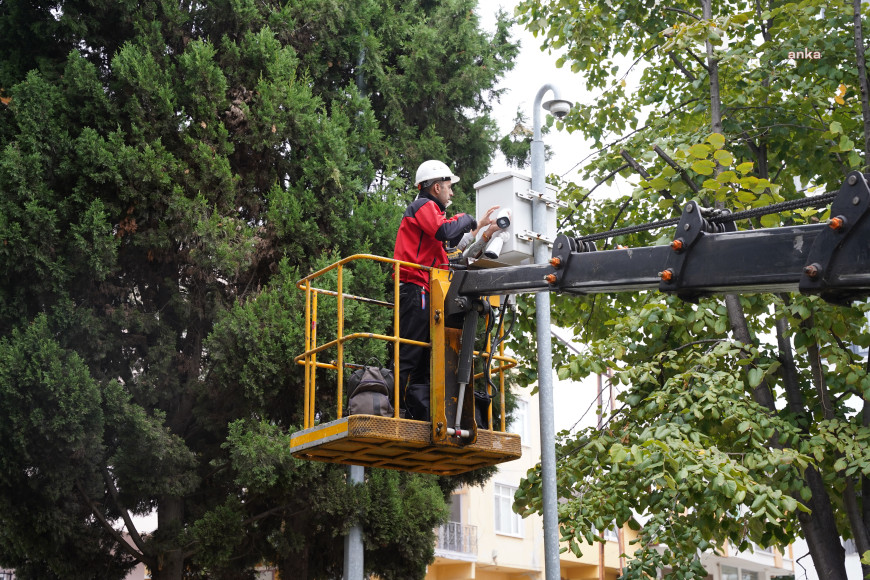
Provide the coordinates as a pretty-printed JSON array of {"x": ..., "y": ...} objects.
[
  {"x": 353, "y": 541},
  {"x": 558, "y": 107}
]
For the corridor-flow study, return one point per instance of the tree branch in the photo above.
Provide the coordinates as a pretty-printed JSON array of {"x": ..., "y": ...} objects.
[
  {"x": 643, "y": 172},
  {"x": 191, "y": 552},
  {"x": 699, "y": 60},
  {"x": 621, "y": 139},
  {"x": 737, "y": 320},
  {"x": 681, "y": 11},
  {"x": 636, "y": 166},
  {"x": 856, "y": 522},
  {"x": 585, "y": 197},
  {"x": 818, "y": 376},
  {"x": 122, "y": 542},
  {"x": 697, "y": 342},
  {"x": 778, "y": 171},
  {"x": 788, "y": 370},
  {"x": 862, "y": 76},
  {"x": 677, "y": 168},
  {"x": 618, "y": 215},
  {"x": 750, "y": 143},
  {"x": 268, "y": 513},
  {"x": 637, "y": 60},
  {"x": 843, "y": 165},
  {"x": 125, "y": 514},
  {"x": 680, "y": 66}
]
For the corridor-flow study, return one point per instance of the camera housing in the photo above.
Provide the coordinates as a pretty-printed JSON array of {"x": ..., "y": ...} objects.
[
  {"x": 559, "y": 108},
  {"x": 493, "y": 249},
  {"x": 503, "y": 218}
]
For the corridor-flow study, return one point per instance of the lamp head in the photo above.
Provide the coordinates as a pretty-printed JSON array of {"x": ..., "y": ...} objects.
[{"x": 558, "y": 107}]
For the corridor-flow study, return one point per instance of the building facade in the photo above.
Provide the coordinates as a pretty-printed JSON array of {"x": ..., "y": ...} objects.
[{"x": 486, "y": 540}]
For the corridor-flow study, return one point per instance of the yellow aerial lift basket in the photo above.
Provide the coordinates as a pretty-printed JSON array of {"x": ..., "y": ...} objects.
[{"x": 392, "y": 442}]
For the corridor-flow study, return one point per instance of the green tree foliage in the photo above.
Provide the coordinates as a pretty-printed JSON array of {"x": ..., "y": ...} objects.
[
  {"x": 740, "y": 419},
  {"x": 168, "y": 171}
]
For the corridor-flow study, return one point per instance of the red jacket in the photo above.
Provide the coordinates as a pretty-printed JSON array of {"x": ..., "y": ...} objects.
[{"x": 422, "y": 235}]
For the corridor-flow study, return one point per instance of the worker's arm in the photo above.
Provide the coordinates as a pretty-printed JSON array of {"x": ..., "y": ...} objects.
[{"x": 432, "y": 221}]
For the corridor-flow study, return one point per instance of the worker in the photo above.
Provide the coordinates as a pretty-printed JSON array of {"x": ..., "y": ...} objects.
[{"x": 423, "y": 234}]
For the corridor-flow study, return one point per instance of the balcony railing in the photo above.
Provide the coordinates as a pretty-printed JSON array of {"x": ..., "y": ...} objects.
[{"x": 457, "y": 538}]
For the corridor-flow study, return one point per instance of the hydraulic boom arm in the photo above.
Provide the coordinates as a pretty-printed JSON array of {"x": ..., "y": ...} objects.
[{"x": 831, "y": 259}]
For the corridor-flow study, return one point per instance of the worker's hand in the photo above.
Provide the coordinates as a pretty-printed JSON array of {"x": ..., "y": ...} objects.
[
  {"x": 490, "y": 231},
  {"x": 487, "y": 217}
]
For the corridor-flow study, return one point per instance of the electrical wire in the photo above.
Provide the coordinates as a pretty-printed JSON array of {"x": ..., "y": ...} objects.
[{"x": 497, "y": 340}]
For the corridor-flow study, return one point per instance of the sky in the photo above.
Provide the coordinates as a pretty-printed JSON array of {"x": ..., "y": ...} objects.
[{"x": 533, "y": 69}]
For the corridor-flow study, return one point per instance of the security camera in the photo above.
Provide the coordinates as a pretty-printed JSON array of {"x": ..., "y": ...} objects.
[
  {"x": 493, "y": 249},
  {"x": 559, "y": 108},
  {"x": 503, "y": 218}
]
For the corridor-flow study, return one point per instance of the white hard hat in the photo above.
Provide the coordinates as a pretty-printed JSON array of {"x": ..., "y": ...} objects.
[{"x": 434, "y": 169}]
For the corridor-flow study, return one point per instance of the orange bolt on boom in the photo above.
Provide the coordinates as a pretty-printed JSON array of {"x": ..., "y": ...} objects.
[
  {"x": 837, "y": 223},
  {"x": 667, "y": 275}
]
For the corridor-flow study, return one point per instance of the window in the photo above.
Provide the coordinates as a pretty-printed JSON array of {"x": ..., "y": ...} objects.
[
  {"x": 506, "y": 521},
  {"x": 732, "y": 573},
  {"x": 759, "y": 550},
  {"x": 611, "y": 534},
  {"x": 520, "y": 422},
  {"x": 455, "y": 508}
]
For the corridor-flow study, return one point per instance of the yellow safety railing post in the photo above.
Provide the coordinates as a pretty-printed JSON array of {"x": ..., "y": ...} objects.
[
  {"x": 313, "y": 369},
  {"x": 396, "y": 346},
  {"x": 501, "y": 381},
  {"x": 307, "y": 363},
  {"x": 486, "y": 381},
  {"x": 340, "y": 346}
]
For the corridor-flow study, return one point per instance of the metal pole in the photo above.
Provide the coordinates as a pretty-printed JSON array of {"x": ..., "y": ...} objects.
[
  {"x": 353, "y": 543},
  {"x": 545, "y": 353}
]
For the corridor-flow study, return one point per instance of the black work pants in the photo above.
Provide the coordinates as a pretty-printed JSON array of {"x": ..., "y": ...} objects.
[{"x": 413, "y": 325}]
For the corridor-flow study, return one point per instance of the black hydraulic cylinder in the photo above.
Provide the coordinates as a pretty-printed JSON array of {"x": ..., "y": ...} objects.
[
  {"x": 766, "y": 260},
  {"x": 830, "y": 259},
  {"x": 756, "y": 260}
]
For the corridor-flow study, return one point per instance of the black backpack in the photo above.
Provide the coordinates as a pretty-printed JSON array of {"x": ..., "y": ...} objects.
[{"x": 370, "y": 391}]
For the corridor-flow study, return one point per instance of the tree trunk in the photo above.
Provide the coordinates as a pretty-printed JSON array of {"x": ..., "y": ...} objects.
[
  {"x": 713, "y": 67},
  {"x": 819, "y": 526},
  {"x": 788, "y": 369},
  {"x": 170, "y": 515},
  {"x": 865, "y": 485},
  {"x": 820, "y": 530},
  {"x": 862, "y": 76},
  {"x": 859, "y": 517}
]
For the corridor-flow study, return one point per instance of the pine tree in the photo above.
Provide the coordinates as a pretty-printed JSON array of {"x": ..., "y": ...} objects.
[{"x": 168, "y": 171}]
